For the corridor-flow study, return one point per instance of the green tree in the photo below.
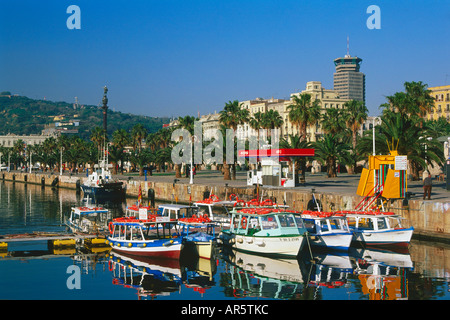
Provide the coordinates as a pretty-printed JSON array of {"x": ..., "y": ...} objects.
[
  {"x": 304, "y": 112},
  {"x": 329, "y": 150},
  {"x": 231, "y": 116},
  {"x": 138, "y": 134}
]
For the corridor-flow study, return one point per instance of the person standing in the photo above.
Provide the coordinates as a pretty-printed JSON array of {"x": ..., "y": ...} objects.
[{"x": 427, "y": 185}]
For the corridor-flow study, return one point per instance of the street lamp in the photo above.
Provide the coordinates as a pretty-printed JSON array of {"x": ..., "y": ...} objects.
[
  {"x": 373, "y": 151},
  {"x": 60, "y": 162}
]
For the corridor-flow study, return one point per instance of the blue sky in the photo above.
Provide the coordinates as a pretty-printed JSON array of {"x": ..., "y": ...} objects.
[{"x": 177, "y": 58}]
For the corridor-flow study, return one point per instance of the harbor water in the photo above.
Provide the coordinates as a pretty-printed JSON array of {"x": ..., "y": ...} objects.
[{"x": 35, "y": 270}]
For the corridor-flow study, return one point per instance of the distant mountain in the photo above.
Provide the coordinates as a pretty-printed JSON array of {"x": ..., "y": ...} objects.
[{"x": 24, "y": 116}]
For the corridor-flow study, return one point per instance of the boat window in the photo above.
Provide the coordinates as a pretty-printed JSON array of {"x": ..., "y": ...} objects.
[
  {"x": 395, "y": 223},
  {"x": 299, "y": 221},
  {"x": 323, "y": 225},
  {"x": 310, "y": 225},
  {"x": 335, "y": 224},
  {"x": 382, "y": 224},
  {"x": 254, "y": 226},
  {"x": 269, "y": 222},
  {"x": 365, "y": 223},
  {"x": 286, "y": 221}
]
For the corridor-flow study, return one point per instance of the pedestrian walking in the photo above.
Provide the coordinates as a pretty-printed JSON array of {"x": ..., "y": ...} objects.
[{"x": 427, "y": 185}]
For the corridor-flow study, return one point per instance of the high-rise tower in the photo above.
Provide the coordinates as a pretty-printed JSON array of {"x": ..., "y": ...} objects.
[{"x": 349, "y": 82}]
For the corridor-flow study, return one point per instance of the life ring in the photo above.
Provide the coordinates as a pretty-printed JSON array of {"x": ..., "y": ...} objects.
[
  {"x": 110, "y": 227},
  {"x": 244, "y": 223},
  {"x": 213, "y": 197},
  {"x": 267, "y": 202},
  {"x": 253, "y": 202},
  {"x": 206, "y": 217},
  {"x": 233, "y": 197}
]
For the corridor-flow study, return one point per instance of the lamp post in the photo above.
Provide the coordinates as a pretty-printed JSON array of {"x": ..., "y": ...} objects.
[
  {"x": 373, "y": 151},
  {"x": 60, "y": 162}
]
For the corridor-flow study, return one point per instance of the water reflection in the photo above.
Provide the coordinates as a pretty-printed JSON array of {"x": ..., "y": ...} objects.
[
  {"x": 152, "y": 277},
  {"x": 362, "y": 273}
]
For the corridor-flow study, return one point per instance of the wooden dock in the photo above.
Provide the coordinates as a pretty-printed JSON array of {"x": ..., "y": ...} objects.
[{"x": 46, "y": 236}]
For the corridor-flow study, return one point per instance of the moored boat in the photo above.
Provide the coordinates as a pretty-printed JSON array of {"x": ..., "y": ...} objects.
[
  {"x": 378, "y": 228},
  {"x": 327, "y": 230},
  {"x": 212, "y": 205},
  {"x": 155, "y": 237},
  {"x": 88, "y": 219},
  {"x": 264, "y": 231},
  {"x": 199, "y": 236}
]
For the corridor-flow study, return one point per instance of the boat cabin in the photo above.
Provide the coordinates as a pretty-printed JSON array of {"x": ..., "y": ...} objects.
[
  {"x": 140, "y": 212},
  {"x": 177, "y": 211},
  {"x": 316, "y": 223},
  {"x": 88, "y": 219},
  {"x": 374, "y": 221},
  {"x": 130, "y": 232},
  {"x": 246, "y": 222}
]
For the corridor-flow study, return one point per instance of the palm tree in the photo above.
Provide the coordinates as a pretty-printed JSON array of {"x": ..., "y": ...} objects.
[
  {"x": 98, "y": 137},
  {"x": 304, "y": 112},
  {"x": 271, "y": 120},
  {"x": 333, "y": 121},
  {"x": 421, "y": 100},
  {"x": 354, "y": 114},
  {"x": 411, "y": 139},
  {"x": 121, "y": 138},
  {"x": 187, "y": 123},
  {"x": 296, "y": 142},
  {"x": 141, "y": 158},
  {"x": 231, "y": 116},
  {"x": 256, "y": 121},
  {"x": 138, "y": 133},
  {"x": 329, "y": 150}
]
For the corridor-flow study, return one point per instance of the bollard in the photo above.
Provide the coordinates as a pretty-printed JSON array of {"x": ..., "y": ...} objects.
[{"x": 151, "y": 197}]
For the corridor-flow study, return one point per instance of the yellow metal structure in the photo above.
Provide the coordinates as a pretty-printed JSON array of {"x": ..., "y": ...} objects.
[{"x": 386, "y": 173}]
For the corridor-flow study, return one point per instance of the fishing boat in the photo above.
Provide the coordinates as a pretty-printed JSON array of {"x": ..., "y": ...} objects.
[
  {"x": 177, "y": 211},
  {"x": 378, "y": 228},
  {"x": 327, "y": 230},
  {"x": 101, "y": 184},
  {"x": 154, "y": 237},
  {"x": 264, "y": 231},
  {"x": 212, "y": 205},
  {"x": 199, "y": 236},
  {"x": 140, "y": 212},
  {"x": 88, "y": 219}
]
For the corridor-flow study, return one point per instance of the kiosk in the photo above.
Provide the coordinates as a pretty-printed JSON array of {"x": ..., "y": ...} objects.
[{"x": 274, "y": 166}]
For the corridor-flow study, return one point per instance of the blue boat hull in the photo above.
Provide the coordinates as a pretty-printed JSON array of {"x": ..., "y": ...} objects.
[{"x": 104, "y": 192}]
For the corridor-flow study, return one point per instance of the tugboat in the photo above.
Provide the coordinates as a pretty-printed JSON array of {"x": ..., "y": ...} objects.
[{"x": 100, "y": 183}]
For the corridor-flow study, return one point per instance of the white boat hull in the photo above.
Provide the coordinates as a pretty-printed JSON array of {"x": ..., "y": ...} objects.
[
  {"x": 384, "y": 237},
  {"x": 166, "y": 249},
  {"x": 280, "y": 246},
  {"x": 336, "y": 241}
]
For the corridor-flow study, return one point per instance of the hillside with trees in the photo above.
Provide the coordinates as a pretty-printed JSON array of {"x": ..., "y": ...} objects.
[{"x": 24, "y": 116}]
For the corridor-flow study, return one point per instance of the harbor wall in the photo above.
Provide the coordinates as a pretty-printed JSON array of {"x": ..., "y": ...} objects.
[{"x": 430, "y": 219}]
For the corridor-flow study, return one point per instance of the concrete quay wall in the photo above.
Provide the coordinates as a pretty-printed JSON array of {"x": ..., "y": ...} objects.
[{"x": 430, "y": 219}]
